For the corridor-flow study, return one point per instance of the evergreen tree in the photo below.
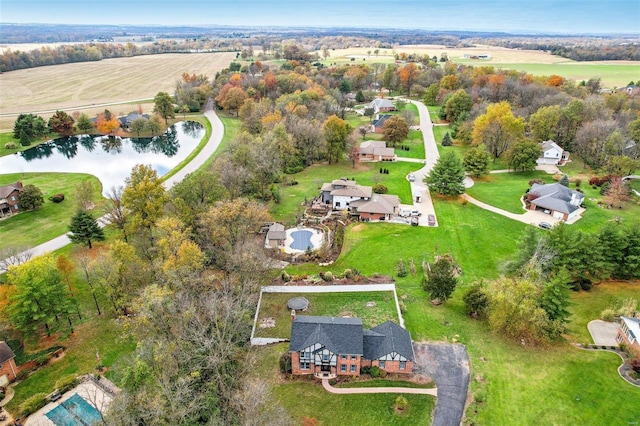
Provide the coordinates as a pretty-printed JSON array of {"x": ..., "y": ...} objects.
[
  {"x": 84, "y": 229},
  {"x": 564, "y": 180},
  {"x": 446, "y": 140},
  {"x": 447, "y": 175},
  {"x": 439, "y": 281}
]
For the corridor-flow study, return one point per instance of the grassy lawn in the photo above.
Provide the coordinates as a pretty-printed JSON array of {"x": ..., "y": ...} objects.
[
  {"x": 6, "y": 137},
  {"x": 415, "y": 143},
  {"x": 33, "y": 228},
  {"x": 596, "y": 215},
  {"x": 503, "y": 190},
  {"x": 309, "y": 399},
  {"x": 311, "y": 179},
  {"x": 274, "y": 305}
]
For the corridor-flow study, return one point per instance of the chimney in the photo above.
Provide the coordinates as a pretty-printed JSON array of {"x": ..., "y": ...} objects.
[
  {"x": 18, "y": 184},
  {"x": 293, "y": 314}
]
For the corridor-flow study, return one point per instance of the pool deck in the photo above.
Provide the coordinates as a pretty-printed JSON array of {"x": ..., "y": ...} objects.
[
  {"x": 317, "y": 237},
  {"x": 87, "y": 390}
]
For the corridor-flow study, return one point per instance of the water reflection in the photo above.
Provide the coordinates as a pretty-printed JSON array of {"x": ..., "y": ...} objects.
[{"x": 110, "y": 158}]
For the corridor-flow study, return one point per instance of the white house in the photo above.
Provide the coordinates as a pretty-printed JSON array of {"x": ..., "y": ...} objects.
[
  {"x": 341, "y": 192},
  {"x": 552, "y": 153}
]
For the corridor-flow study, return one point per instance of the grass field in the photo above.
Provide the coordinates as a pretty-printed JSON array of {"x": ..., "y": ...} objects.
[
  {"x": 63, "y": 87},
  {"x": 274, "y": 305},
  {"x": 504, "y": 190},
  {"x": 52, "y": 220}
]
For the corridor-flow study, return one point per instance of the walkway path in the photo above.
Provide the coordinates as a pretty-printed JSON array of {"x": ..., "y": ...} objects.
[
  {"x": 345, "y": 391},
  {"x": 217, "y": 132}
]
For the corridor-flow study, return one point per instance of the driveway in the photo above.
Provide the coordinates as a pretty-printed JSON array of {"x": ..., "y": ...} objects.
[
  {"x": 603, "y": 333},
  {"x": 448, "y": 365}
]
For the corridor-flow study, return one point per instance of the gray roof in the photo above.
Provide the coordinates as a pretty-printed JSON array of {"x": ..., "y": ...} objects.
[
  {"x": 276, "y": 232},
  {"x": 380, "y": 121},
  {"x": 346, "y": 188},
  {"x": 387, "y": 338},
  {"x": 379, "y": 203},
  {"x": 5, "y": 190},
  {"x": 339, "y": 335},
  {"x": 381, "y": 103},
  {"x": 5, "y": 352},
  {"x": 556, "y": 197}
]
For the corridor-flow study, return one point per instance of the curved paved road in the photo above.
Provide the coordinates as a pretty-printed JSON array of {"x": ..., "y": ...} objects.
[{"x": 217, "y": 132}]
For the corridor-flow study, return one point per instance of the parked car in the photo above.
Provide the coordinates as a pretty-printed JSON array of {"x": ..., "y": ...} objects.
[
  {"x": 545, "y": 225},
  {"x": 431, "y": 220},
  {"x": 416, "y": 213},
  {"x": 411, "y": 177},
  {"x": 414, "y": 221}
]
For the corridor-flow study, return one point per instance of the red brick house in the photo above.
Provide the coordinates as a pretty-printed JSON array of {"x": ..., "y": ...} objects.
[
  {"x": 378, "y": 207},
  {"x": 629, "y": 333},
  {"x": 10, "y": 198},
  {"x": 376, "y": 151},
  {"x": 8, "y": 368},
  {"x": 330, "y": 346}
]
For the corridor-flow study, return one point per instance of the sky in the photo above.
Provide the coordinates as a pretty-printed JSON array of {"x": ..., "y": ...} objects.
[{"x": 517, "y": 16}]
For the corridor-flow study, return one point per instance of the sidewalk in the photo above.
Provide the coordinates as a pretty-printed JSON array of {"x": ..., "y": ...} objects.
[{"x": 346, "y": 391}]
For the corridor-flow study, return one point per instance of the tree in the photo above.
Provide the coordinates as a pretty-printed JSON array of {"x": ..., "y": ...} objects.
[
  {"x": 476, "y": 161},
  {"x": 163, "y": 105},
  {"x": 523, "y": 156},
  {"x": 498, "y": 128},
  {"x": 138, "y": 126},
  {"x": 14, "y": 255},
  {"x": 447, "y": 175},
  {"x": 84, "y": 194},
  {"x": 634, "y": 130},
  {"x": 153, "y": 125},
  {"x": 543, "y": 124},
  {"x": 446, "y": 140},
  {"x": 458, "y": 104},
  {"x": 29, "y": 127},
  {"x": 336, "y": 132},
  {"x": 439, "y": 279},
  {"x": 85, "y": 229},
  {"x": 31, "y": 198},
  {"x": 107, "y": 123},
  {"x": 61, "y": 123},
  {"x": 116, "y": 214},
  {"x": 621, "y": 165},
  {"x": 84, "y": 124},
  {"x": 359, "y": 96},
  {"x": 431, "y": 94},
  {"x": 143, "y": 198},
  {"x": 476, "y": 300},
  {"x": 39, "y": 298},
  {"x": 618, "y": 192},
  {"x": 395, "y": 129},
  {"x": 234, "y": 99},
  {"x": 408, "y": 75},
  {"x": 564, "y": 181},
  {"x": 363, "y": 130}
]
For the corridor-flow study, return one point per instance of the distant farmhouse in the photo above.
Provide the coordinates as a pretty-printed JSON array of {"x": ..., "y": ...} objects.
[
  {"x": 556, "y": 200},
  {"x": 329, "y": 346},
  {"x": 553, "y": 154},
  {"x": 10, "y": 198}
]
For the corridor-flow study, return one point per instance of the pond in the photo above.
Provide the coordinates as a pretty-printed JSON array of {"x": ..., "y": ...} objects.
[{"x": 109, "y": 158}]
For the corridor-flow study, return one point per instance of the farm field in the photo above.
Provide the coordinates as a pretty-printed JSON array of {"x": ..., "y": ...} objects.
[
  {"x": 536, "y": 62},
  {"x": 81, "y": 85}
]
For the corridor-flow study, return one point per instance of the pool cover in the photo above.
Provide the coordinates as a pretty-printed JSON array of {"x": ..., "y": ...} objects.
[
  {"x": 75, "y": 411},
  {"x": 301, "y": 240}
]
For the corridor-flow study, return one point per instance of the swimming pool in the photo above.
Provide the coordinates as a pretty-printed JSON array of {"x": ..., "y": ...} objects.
[
  {"x": 75, "y": 411},
  {"x": 302, "y": 240}
]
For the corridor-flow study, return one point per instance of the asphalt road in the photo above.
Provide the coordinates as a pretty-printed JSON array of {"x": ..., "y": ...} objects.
[{"x": 448, "y": 365}]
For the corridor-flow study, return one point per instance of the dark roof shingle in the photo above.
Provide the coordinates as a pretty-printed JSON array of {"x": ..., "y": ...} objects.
[{"x": 5, "y": 352}]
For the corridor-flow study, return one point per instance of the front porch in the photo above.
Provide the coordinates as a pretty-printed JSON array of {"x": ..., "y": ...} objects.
[{"x": 324, "y": 375}]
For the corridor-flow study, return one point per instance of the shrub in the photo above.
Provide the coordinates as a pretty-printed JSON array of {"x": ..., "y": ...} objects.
[
  {"x": 401, "y": 269},
  {"x": 538, "y": 181},
  {"x": 401, "y": 403},
  {"x": 57, "y": 198},
  {"x": 383, "y": 374},
  {"x": 635, "y": 365},
  {"x": 9, "y": 145},
  {"x": 33, "y": 404},
  {"x": 65, "y": 383},
  {"x": 285, "y": 276},
  {"x": 479, "y": 396},
  {"x": 403, "y": 307},
  {"x": 379, "y": 188},
  {"x": 348, "y": 273},
  {"x": 586, "y": 285},
  {"x": 285, "y": 363},
  {"x": 22, "y": 374},
  {"x": 374, "y": 371},
  {"x": 327, "y": 276},
  {"x": 42, "y": 360},
  {"x": 608, "y": 314}
]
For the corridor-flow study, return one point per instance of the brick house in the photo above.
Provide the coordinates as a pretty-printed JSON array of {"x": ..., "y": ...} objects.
[
  {"x": 330, "y": 346},
  {"x": 10, "y": 198},
  {"x": 378, "y": 207},
  {"x": 375, "y": 151},
  {"x": 8, "y": 368},
  {"x": 629, "y": 333},
  {"x": 381, "y": 105},
  {"x": 556, "y": 200},
  {"x": 360, "y": 201},
  {"x": 378, "y": 123}
]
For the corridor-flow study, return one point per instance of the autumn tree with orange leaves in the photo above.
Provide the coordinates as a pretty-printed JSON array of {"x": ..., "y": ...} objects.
[
  {"x": 107, "y": 123},
  {"x": 408, "y": 75}
]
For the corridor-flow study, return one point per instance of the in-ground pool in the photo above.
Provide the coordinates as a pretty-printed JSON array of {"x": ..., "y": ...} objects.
[
  {"x": 75, "y": 411},
  {"x": 302, "y": 240}
]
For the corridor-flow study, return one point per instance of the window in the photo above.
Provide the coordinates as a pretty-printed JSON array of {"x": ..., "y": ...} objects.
[
  {"x": 13, "y": 198},
  {"x": 353, "y": 368},
  {"x": 337, "y": 203},
  {"x": 343, "y": 368},
  {"x": 343, "y": 356},
  {"x": 304, "y": 366},
  {"x": 305, "y": 355},
  {"x": 325, "y": 357},
  {"x": 16, "y": 206},
  {"x": 403, "y": 365},
  {"x": 381, "y": 363}
]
